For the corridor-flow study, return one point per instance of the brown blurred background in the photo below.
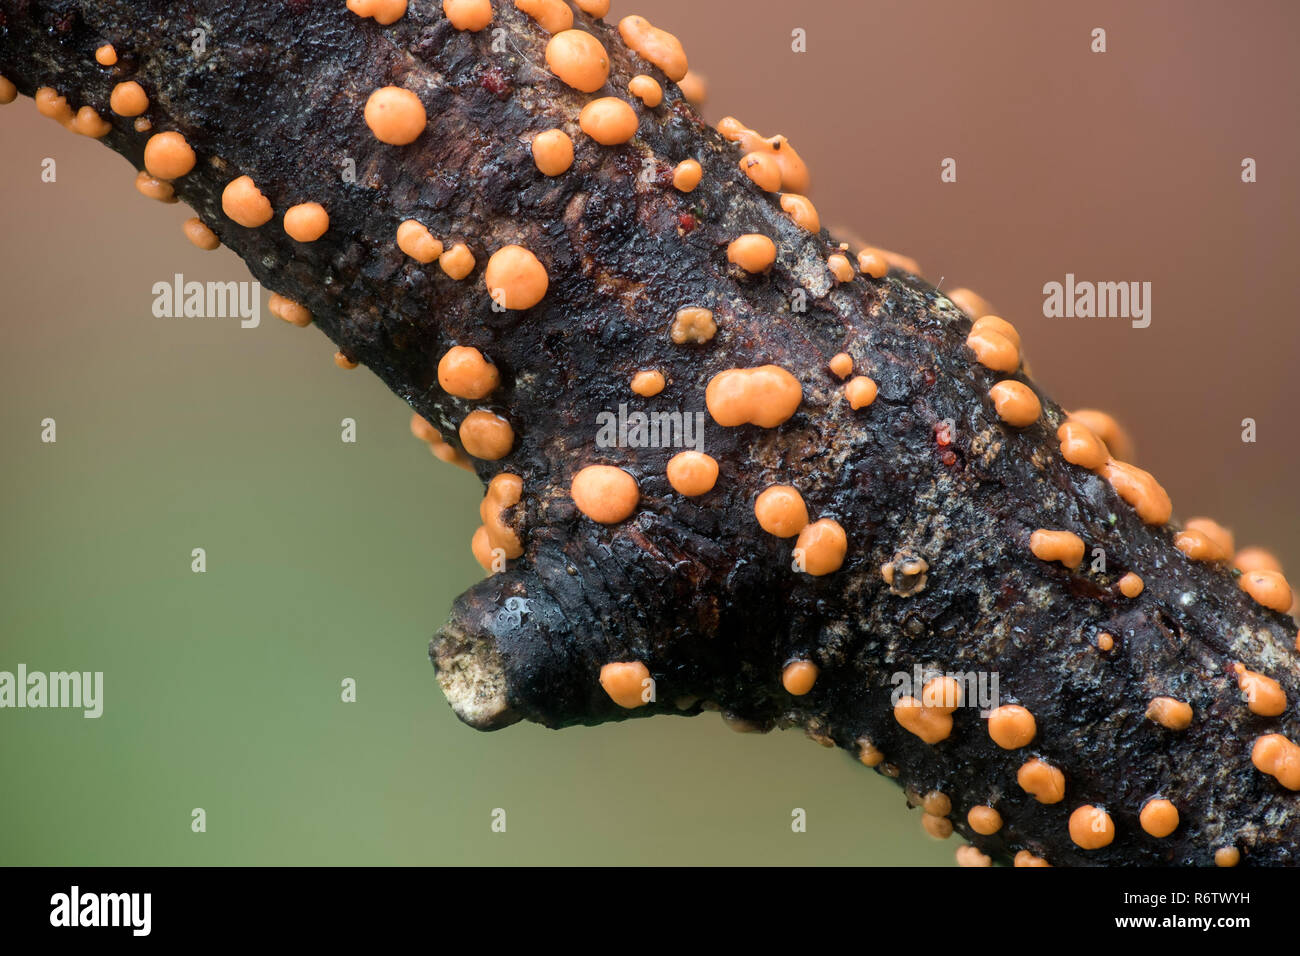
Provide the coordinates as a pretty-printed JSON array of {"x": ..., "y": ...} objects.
[{"x": 331, "y": 560}]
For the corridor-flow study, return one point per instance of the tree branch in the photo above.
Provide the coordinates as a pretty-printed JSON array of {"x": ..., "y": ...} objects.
[{"x": 937, "y": 495}]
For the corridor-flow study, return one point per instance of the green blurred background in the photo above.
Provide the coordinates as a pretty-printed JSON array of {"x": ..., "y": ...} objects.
[{"x": 329, "y": 560}]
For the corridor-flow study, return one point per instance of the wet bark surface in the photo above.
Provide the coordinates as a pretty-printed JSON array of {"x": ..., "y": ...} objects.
[{"x": 692, "y": 586}]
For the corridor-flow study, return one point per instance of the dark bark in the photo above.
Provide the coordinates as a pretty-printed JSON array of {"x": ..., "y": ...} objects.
[{"x": 693, "y": 587}]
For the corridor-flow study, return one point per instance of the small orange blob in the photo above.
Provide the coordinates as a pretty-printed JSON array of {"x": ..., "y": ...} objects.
[
  {"x": 579, "y": 59},
  {"x": 802, "y": 211},
  {"x": 994, "y": 323},
  {"x": 503, "y": 492},
  {"x": 794, "y": 172},
  {"x": 1016, "y": 403},
  {"x": 53, "y": 106},
  {"x": 1130, "y": 585},
  {"x": 752, "y": 252},
  {"x": 458, "y": 261},
  {"x": 1256, "y": 559},
  {"x": 972, "y": 303},
  {"x": 89, "y": 123},
  {"x": 860, "y": 391},
  {"x": 608, "y": 120},
  {"x": 1140, "y": 490},
  {"x": 1278, "y": 757},
  {"x": 1079, "y": 446},
  {"x": 593, "y": 8},
  {"x": 471, "y": 15},
  {"x": 1041, "y": 781},
  {"x": 692, "y": 473},
  {"x": 654, "y": 45},
  {"x": 798, "y": 677},
  {"x": 938, "y": 827},
  {"x": 1064, "y": 546},
  {"x": 872, "y": 262},
  {"x": 692, "y": 326},
  {"x": 901, "y": 262},
  {"x": 8, "y": 91},
  {"x": 106, "y": 55},
  {"x": 343, "y": 362},
  {"x": 465, "y": 373},
  {"x": 993, "y": 349},
  {"x": 168, "y": 156},
  {"x": 289, "y": 311},
  {"x": 694, "y": 87},
  {"x": 199, "y": 234},
  {"x": 128, "y": 99},
  {"x": 1263, "y": 695},
  {"x": 1159, "y": 817},
  {"x": 841, "y": 365},
  {"x": 840, "y": 267},
  {"x": 1227, "y": 856},
  {"x": 647, "y": 384},
  {"x": 481, "y": 548},
  {"x": 553, "y": 152},
  {"x": 384, "y": 12},
  {"x": 647, "y": 90},
  {"x": 762, "y": 168},
  {"x": 244, "y": 203},
  {"x": 486, "y": 435},
  {"x": 422, "y": 429},
  {"x": 154, "y": 188},
  {"x": 1170, "y": 713},
  {"x": 937, "y": 802},
  {"x": 869, "y": 753},
  {"x": 1105, "y": 642},
  {"x": 1220, "y": 538},
  {"x": 781, "y": 511},
  {"x": 306, "y": 222},
  {"x": 553, "y": 16},
  {"x": 628, "y": 683},
  {"x": 970, "y": 855},
  {"x": 142, "y": 124},
  {"x": 1106, "y": 428},
  {"x": 515, "y": 278},
  {"x": 1091, "y": 827},
  {"x": 930, "y": 718},
  {"x": 396, "y": 116},
  {"x": 765, "y": 396},
  {"x": 605, "y": 494},
  {"x": 414, "y": 239},
  {"x": 1012, "y": 726},
  {"x": 1025, "y": 858},
  {"x": 984, "y": 820},
  {"x": 1268, "y": 588},
  {"x": 686, "y": 175}
]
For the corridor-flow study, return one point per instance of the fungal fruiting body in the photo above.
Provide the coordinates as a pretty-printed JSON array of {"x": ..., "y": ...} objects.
[
  {"x": 244, "y": 203},
  {"x": 306, "y": 222},
  {"x": 553, "y": 152},
  {"x": 877, "y": 485},
  {"x": 395, "y": 115},
  {"x": 764, "y": 396},
  {"x": 692, "y": 473},
  {"x": 414, "y": 239},
  {"x": 514, "y": 277}
]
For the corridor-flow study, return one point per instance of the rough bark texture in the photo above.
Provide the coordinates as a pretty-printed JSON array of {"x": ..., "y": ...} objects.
[{"x": 693, "y": 587}]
